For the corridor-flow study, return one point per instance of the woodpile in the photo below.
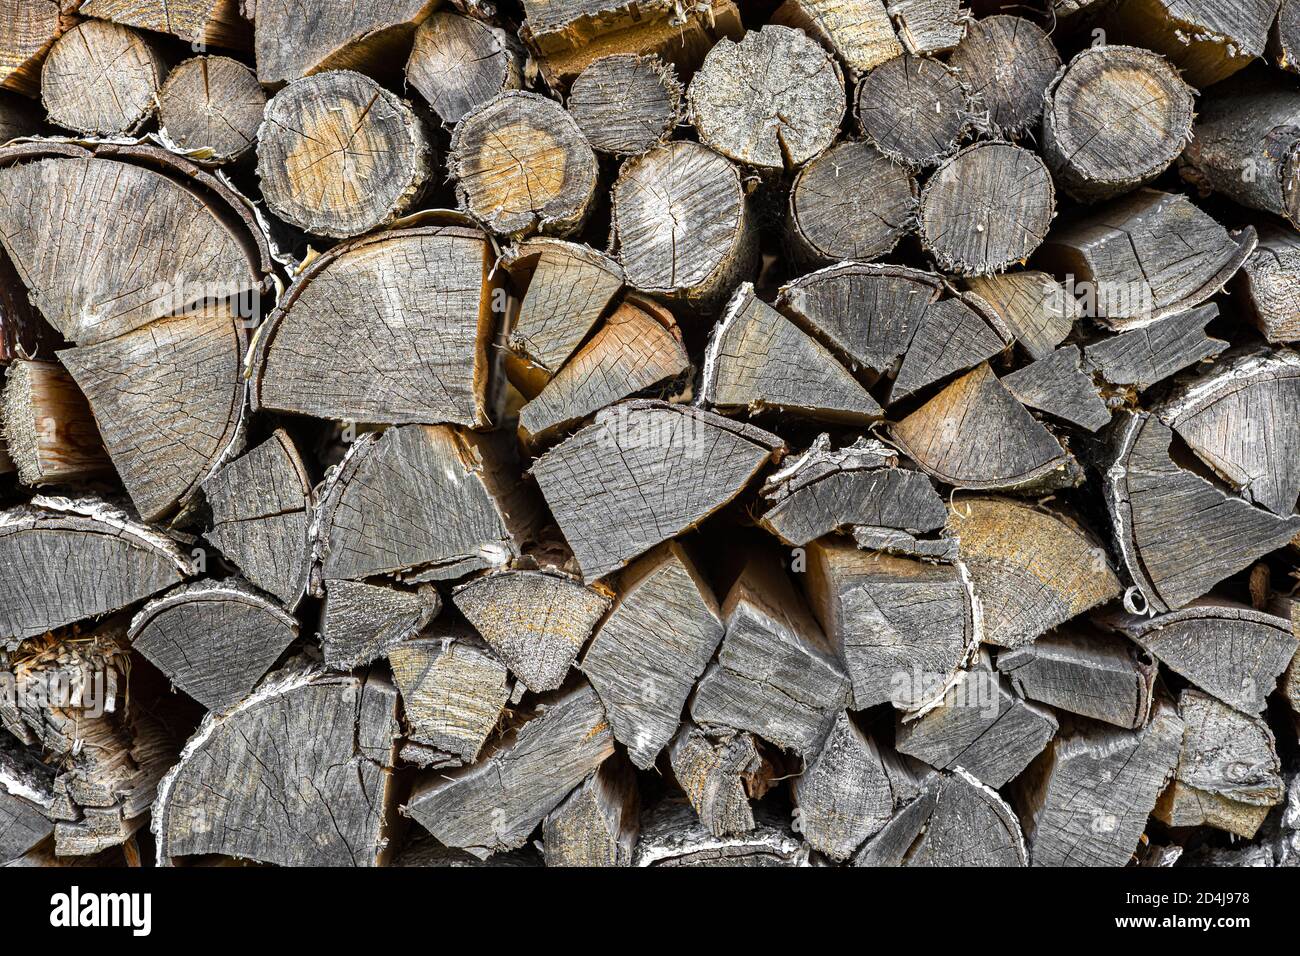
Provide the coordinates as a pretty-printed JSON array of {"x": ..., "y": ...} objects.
[{"x": 649, "y": 433}]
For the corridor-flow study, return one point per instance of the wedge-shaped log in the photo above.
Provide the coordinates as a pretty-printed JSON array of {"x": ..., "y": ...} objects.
[
  {"x": 1058, "y": 385},
  {"x": 953, "y": 336},
  {"x": 718, "y": 771},
  {"x": 212, "y": 105},
  {"x": 423, "y": 850},
  {"x": 858, "y": 32},
  {"x": 362, "y": 622},
  {"x": 29, "y": 31},
  {"x": 630, "y": 480},
  {"x": 1270, "y": 277},
  {"x": 102, "y": 79},
  {"x": 914, "y": 109},
  {"x": 1142, "y": 357},
  {"x": 26, "y": 795},
  {"x": 626, "y": 104},
  {"x": 366, "y": 35},
  {"x": 458, "y": 62},
  {"x": 1033, "y": 306},
  {"x": 1007, "y": 62},
  {"x": 1208, "y": 41},
  {"x": 47, "y": 426},
  {"x": 672, "y": 835},
  {"x": 199, "y": 22},
  {"x": 597, "y": 824}
]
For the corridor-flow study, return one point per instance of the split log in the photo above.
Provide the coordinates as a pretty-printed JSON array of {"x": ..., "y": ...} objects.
[
  {"x": 1208, "y": 41},
  {"x": 902, "y": 627},
  {"x": 423, "y": 503},
  {"x": 929, "y": 26},
  {"x": 362, "y": 622},
  {"x": 1115, "y": 118},
  {"x": 168, "y": 400},
  {"x": 535, "y": 621},
  {"x": 719, "y": 772},
  {"x": 338, "y": 155},
  {"x": 18, "y": 116},
  {"x": 214, "y": 640},
  {"x": 825, "y": 490},
  {"x": 417, "y": 301},
  {"x": 25, "y": 795},
  {"x": 1007, "y": 63},
  {"x": 122, "y": 562},
  {"x": 597, "y": 824},
  {"x": 102, "y": 79},
  {"x": 848, "y": 790},
  {"x": 47, "y": 426},
  {"x": 1232, "y": 652},
  {"x": 914, "y": 109},
  {"x": 1136, "y": 275},
  {"x": 1058, "y": 385},
  {"x": 630, "y": 480},
  {"x": 211, "y": 107},
  {"x": 758, "y": 360},
  {"x": 776, "y": 674},
  {"x": 198, "y": 22},
  {"x": 1284, "y": 40},
  {"x": 626, "y": 104},
  {"x": 458, "y": 63},
  {"x": 956, "y": 821},
  {"x": 298, "y": 773},
  {"x": 497, "y": 803},
  {"x": 682, "y": 225},
  {"x": 672, "y": 835},
  {"x": 1085, "y": 672},
  {"x": 454, "y": 690},
  {"x": 652, "y": 646},
  {"x": 259, "y": 506},
  {"x": 1270, "y": 277},
  {"x": 1228, "y": 775},
  {"x": 425, "y": 851},
  {"x": 973, "y": 434},
  {"x": 1037, "y": 309},
  {"x": 986, "y": 208},
  {"x": 1144, "y": 356},
  {"x": 979, "y": 726},
  {"x": 1086, "y": 800},
  {"x": 951, "y": 337},
  {"x": 521, "y": 165},
  {"x": 1178, "y": 534},
  {"x": 851, "y": 202},
  {"x": 904, "y": 543},
  {"x": 28, "y": 31},
  {"x": 858, "y": 32},
  {"x": 773, "y": 101}
]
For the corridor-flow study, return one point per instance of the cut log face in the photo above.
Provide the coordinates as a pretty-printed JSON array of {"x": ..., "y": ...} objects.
[
  {"x": 759, "y": 360},
  {"x": 417, "y": 301},
  {"x": 1086, "y": 800},
  {"x": 298, "y": 773},
  {"x": 458, "y": 63},
  {"x": 1142, "y": 357},
  {"x": 203, "y": 22},
  {"x": 25, "y": 800},
  {"x": 973, "y": 434},
  {"x": 1086, "y": 672},
  {"x": 495, "y": 804},
  {"x": 626, "y": 104},
  {"x": 716, "y": 772},
  {"x": 956, "y": 821},
  {"x": 363, "y": 622},
  {"x": 672, "y": 835},
  {"x": 424, "y": 502},
  {"x": 47, "y": 426},
  {"x": 858, "y": 32},
  {"x": 643, "y": 472},
  {"x": 338, "y": 155},
  {"x": 1007, "y": 63},
  {"x": 1228, "y": 775},
  {"x": 597, "y": 824},
  {"x": 123, "y": 561},
  {"x": 902, "y": 627},
  {"x": 1058, "y": 385},
  {"x": 929, "y": 26},
  {"x": 914, "y": 109},
  {"x": 212, "y": 107},
  {"x": 361, "y": 36},
  {"x": 259, "y": 504},
  {"x": 169, "y": 400},
  {"x": 776, "y": 674},
  {"x": 1232, "y": 652},
  {"x": 1208, "y": 41},
  {"x": 102, "y": 79},
  {"x": 1034, "y": 307},
  {"x": 952, "y": 337},
  {"x": 30, "y": 31},
  {"x": 1125, "y": 250},
  {"x": 536, "y": 621},
  {"x": 851, "y": 202},
  {"x": 213, "y": 640},
  {"x": 522, "y": 165},
  {"x": 1115, "y": 117},
  {"x": 1270, "y": 277},
  {"x": 1179, "y": 534},
  {"x": 454, "y": 690},
  {"x": 651, "y": 648},
  {"x": 682, "y": 224},
  {"x": 773, "y": 101}
]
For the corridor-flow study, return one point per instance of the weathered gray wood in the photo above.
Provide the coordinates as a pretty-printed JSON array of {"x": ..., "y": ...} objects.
[
  {"x": 103, "y": 79},
  {"x": 858, "y": 32},
  {"x": 652, "y": 646},
  {"x": 47, "y": 426},
  {"x": 1037, "y": 309},
  {"x": 362, "y": 622},
  {"x": 951, "y": 337},
  {"x": 1115, "y": 117},
  {"x": 423, "y": 850},
  {"x": 719, "y": 772},
  {"x": 643, "y": 472},
  {"x": 536, "y": 621},
  {"x": 1086, "y": 672},
  {"x": 902, "y": 627},
  {"x": 904, "y": 543},
  {"x": 1058, "y": 385},
  {"x": 597, "y": 824},
  {"x": 758, "y": 360},
  {"x": 495, "y": 804},
  {"x": 1228, "y": 775},
  {"x": 1269, "y": 280},
  {"x": 1007, "y": 63},
  {"x": 458, "y": 63},
  {"x": 914, "y": 109},
  {"x": 363, "y": 35},
  {"x": 776, "y": 674},
  {"x": 199, "y": 22},
  {"x": 26, "y": 795},
  {"x": 212, "y": 107},
  {"x": 1142, "y": 357},
  {"x": 1208, "y": 41},
  {"x": 773, "y": 101},
  {"x": 1284, "y": 40},
  {"x": 1178, "y": 534},
  {"x": 298, "y": 773},
  {"x": 28, "y": 32},
  {"x": 672, "y": 835},
  {"x": 626, "y": 104},
  {"x": 929, "y": 26},
  {"x": 1086, "y": 800}
]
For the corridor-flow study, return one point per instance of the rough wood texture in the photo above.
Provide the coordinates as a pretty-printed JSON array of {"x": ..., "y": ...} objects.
[
  {"x": 952, "y": 337},
  {"x": 597, "y": 824},
  {"x": 102, "y": 79},
  {"x": 362, "y": 622},
  {"x": 858, "y": 32},
  {"x": 1208, "y": 41},
  {"x": 1270, "y": 277},
  {"x": 47, "y": 426},
  {"x": 298, "y": 773},
  {"x": 1142, "y": 357},
  {"x": 1033, "y": 306},
  {"x": 213, "y": 640},
  {"x": 338, "y": 155},
  {"x": 25, "y": 798},
  {"x": 1058, "y": 385},
  {"x": 929, "y": 26},
  {"x": 458, "y": 63},
  {"x": 773, "y": 101},
  {"x": 1284, "y": 41},
  {"x": 914, "y": 109},
  {"x": 1007, "y": 63},
  {"x": 29, "y": 31},
  {"x": 211, "y": 106},
  {"x": 199, "y": 22},
  {"x": 626, "y": 104},
  {"x": 718, "y": 772},
  {"x": 673, "y": 836}
]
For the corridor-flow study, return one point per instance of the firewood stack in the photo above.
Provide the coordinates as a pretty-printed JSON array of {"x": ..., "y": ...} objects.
[{"x": 660, "y": 433}]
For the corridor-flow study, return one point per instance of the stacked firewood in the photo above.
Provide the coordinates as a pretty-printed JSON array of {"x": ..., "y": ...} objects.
[{"x": 649, "y": 432}]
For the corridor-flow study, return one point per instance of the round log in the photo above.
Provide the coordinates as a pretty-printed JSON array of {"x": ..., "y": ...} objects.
[
  {"x": 102, "y": 79},
  {"x": 1006, "y": 62},
  {"x": 458, "y": 63},
  {"x": 626, "y": 104},
  {"x": 212, "y": 106},
  {"x": 914, "y": 109}
]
